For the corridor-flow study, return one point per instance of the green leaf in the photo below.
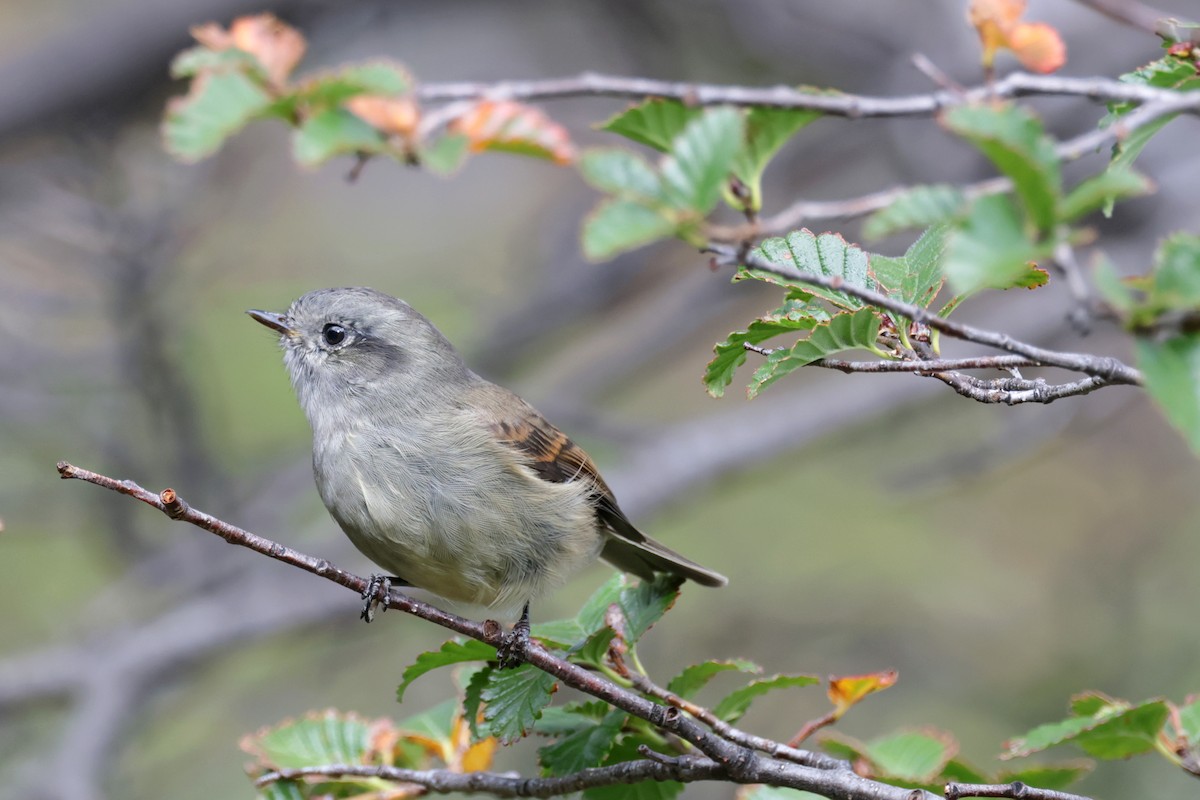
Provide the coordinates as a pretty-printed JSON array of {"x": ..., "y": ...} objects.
[
  {"x": 331, "y": 133},
  {"x": 1102, "y": 190},
  {"x": 958, "y": 770},
  {"x": 1177, "y": 273},
  {"x": 621, "y": 173},
  {"x": 627, "y": 750},
  {"x": 1189, "y": 722},
  {"x": 1112, "y": 730},
  {"x": 795, "y": 315},
  {"x": 564, "y": 720},
  {"x": 1126, "y": 734},
  {"x": 454, "y": 651},
  {"x": 283, "y": 790},
  {"x": 845, "y": 331},
  {"x": 1111, "y": 287},
  {"x": 619, "y": 225},
  {"x": 473, "y": 698},
  {"x": 329, "y": 737},
  {"x": 916, "y": 756},
  {"x": 701, "y": 156},
  {"x": 1092, "y": 704},
  {"x": 331, "y": 89},
  {"x": 435, "y": 723},
  {"x": 1055, "y": 777},
  {"x": 828, "y": 255},
  {"x": 654, "y": 123},
  {"x": 990, "y": 249},
  {"x": 736, "y": 703},
  {"x": 586, "y": 747},
  {"x": 767, "y": 130},
  {"x": 1014, "y": 140},
  {"x": 218, "y": 106},
  {"x": 1169, "y": 72},
  {"x": 197, "y": 60},
  {"x": 646, "y": 602},
  {"x": 923, "y": 262},
  {"x": 1172, "y": 371},
  {"x": 918, "y": 207},
  {"x": 697, "y": 676},
  {"x": 764, "y": 792},
  {"x": 515, "y": 699},
  {"x": 445, "y": 154}
]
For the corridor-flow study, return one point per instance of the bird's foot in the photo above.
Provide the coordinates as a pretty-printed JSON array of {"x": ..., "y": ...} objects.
[
  {"x": 376, "y": 594},
  {"x": 514, "y": 646}
]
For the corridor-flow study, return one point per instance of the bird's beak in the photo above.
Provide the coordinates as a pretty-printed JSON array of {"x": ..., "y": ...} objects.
[{"x": 277, "y": 322}]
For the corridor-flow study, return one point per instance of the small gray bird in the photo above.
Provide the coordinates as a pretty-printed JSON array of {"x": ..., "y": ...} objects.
[{"x": 447, "y": 481}]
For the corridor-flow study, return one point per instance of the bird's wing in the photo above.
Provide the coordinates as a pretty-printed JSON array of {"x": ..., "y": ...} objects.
[{"x": 554, "y": 457}]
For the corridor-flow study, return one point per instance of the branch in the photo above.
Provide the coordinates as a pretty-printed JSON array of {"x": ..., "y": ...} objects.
[
  {"x": 1110, "y": 369},
  {"x": 1015, "y": 790},
  {"x": 738, "y": 763},
  {"x": 685, "y": 769},
  {"x": 1139, "y": 15},
  {"x": 924, "y": 365},
  {"x": 591, "y": 84}
]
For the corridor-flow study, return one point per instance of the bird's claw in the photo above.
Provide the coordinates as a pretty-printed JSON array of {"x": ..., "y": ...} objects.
[
  {"x": 376, "y": 594},
  {"x": 514, "y": 646}
]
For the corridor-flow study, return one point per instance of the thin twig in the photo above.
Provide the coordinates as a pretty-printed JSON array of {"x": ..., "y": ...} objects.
[
  {"x": 591, "y": 84},
  {"x": 1110, "y": 369},
  {"x": 931, "y": 365},
  {"x": 1015, "y": 790},
  {"x": 685, "y": 769},
  {"x": 1017, "y": 391},
  {"x": 1139, "y": 15}
]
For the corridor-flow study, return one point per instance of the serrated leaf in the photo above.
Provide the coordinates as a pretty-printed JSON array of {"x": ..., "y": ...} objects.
[
  {"x": 473, "y": 699},
  {"x": 767, "y": 130},
  {"x": 217, "y": 106},
  {"x": 328, "y": 89},
  {"x": 828, "y": 255},
  {"x": 197, "y": 60},
  {"x": 1054, "y": 777},
  {"x": 646, "y": 602},
  {"x": 1093, "y": 704},
  {"x": 919, "y": 207},
  {"x": 848, "y": 690},
  {"x": 564, "y": 720},
  {"x": 1046, "y": 736},
  {"x": 990, "y": 248},
  {"x": 794, "y": 316},
  {"x": 923, "y": 278},
  {"x": 845, "y": 331},
  {"x": 1169, "y": 72},
  {"x": 626, "y": 749},
  {"x": 333, "y": 132},
  {"x": 701, "y": 157},
  {"x": 328, "y": 737},
  {"x": 621, "y": 173},
  {"x": 916, "y": 756},
  {"x": 585, "y": 747},
  {"x": 512, "y": 127},
  {"x": 515, "y": 699},
  {"x": 1126, "y": 734},
  {"x": 736, "y": 703},
  {"x": 1189, "y": 722},
  {"x": 1103, "y": 189},
  {"x": 654, "y": 123},
  {"x": 1177, "y": 273},
  {"x": 451, "y": 652},
  {"x": 435, "y": 725},
  {"x": 1171, "y": 368},
  {"x": 445, "y": 154},
  {"x": 619, "y": 225},
  {"x": 1016, "y": 143},
  {"x": 697, "y": 676},
  {"x": 591, "y": 616}
]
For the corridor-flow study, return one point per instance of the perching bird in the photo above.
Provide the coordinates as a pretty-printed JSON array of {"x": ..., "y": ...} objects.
[{"x": 448, "y": 482}]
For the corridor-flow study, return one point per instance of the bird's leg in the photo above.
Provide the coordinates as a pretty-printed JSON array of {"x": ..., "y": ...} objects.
[
  {"x": 515, "y": 645},
  {"x": 376, "y": 594}
]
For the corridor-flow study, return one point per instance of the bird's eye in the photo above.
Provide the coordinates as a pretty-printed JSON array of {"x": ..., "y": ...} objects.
[{"x": 333, "y": 334}]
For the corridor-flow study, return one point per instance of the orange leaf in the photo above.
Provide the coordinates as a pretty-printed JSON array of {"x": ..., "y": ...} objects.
[
  {"x": 998, "y": 22},
  {"x": 1038, "y": 47},
  {"x": 277, "y": 45},
  {"x": 506, "y": 125},
  {"x": 479, "y": 755},
  {"x": 394, "y": 116},
  {"x": 847, "y": 690}
]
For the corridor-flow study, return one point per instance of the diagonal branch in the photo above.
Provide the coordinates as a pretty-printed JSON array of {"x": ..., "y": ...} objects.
[
  {"x": 685, "y": 769},
  {"x": 739, "y": 764}
]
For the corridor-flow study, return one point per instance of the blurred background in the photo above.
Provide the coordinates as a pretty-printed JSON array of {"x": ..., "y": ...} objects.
[{"x": 999, "y": 558}]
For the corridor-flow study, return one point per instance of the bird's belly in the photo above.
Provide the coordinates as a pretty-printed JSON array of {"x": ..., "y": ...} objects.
[{"x": 472, "y": 530}]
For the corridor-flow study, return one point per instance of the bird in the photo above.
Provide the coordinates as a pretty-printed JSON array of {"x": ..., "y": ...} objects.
[{"x": 447, "y": 481}]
